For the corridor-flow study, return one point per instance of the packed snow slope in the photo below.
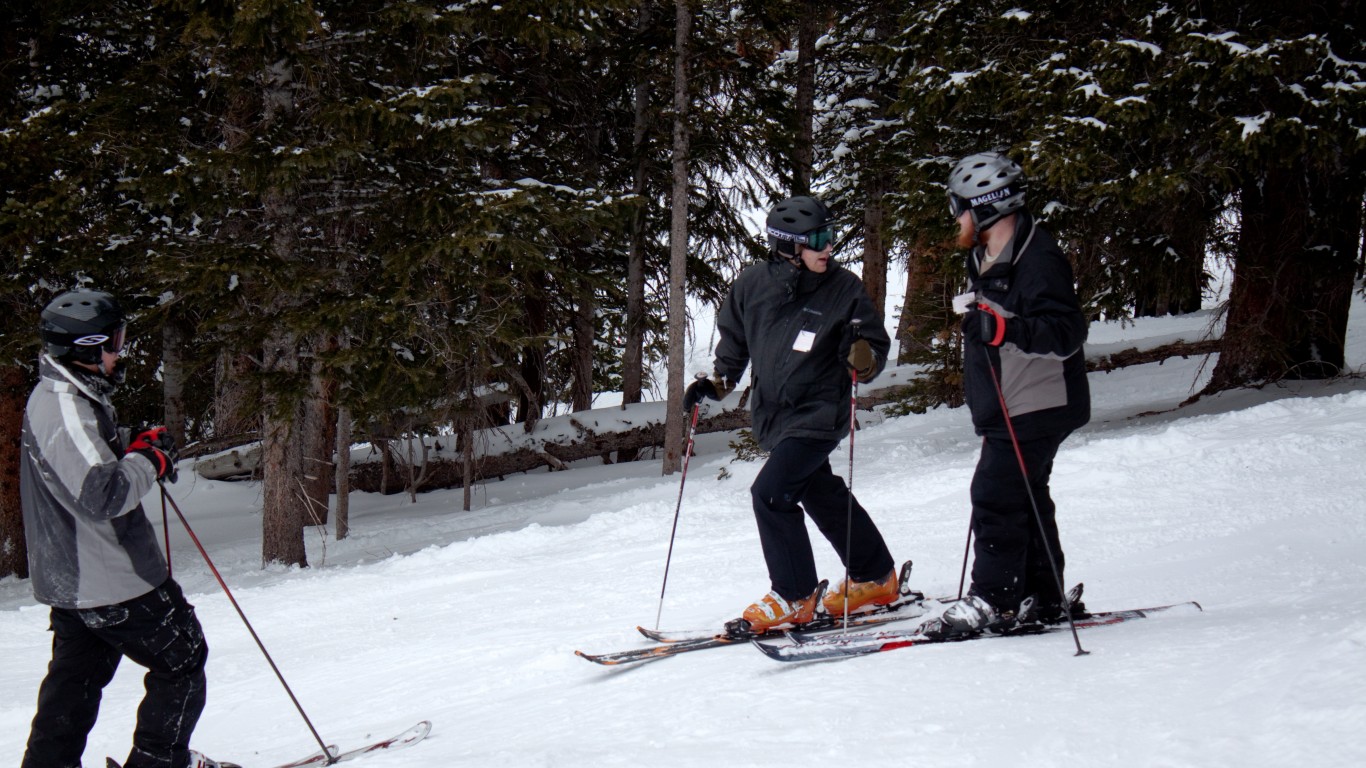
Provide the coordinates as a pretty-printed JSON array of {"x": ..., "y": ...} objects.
[{"x": 1252, "y": 503}]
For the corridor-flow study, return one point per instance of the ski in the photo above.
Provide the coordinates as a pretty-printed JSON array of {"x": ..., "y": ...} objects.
[
  {"x": 112, "y": 763},
  {"x": 662, "y": 651},
  {"x": 910, "y": 605},
  {"x": 830, "y": 647},
  {"x": 877, "y": 615},
  {"x": 331, "y": 755},
  {"x": 405, "y": 739}
]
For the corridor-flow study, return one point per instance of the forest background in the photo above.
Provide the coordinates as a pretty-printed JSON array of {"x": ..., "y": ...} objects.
[{"x": 345, "y": 222}]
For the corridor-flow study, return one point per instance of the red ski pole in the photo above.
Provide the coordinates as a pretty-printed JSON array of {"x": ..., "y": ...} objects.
[{"x": 250, "y": 629}]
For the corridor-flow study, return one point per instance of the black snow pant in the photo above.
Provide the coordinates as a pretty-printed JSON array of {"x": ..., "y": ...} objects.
[
  {"x": 1010, "y": 561},
  {"x": 797, "y": 476},
  {"x": 159, "y": 631}
]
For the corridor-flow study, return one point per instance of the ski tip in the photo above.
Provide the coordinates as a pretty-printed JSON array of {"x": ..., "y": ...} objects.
[
  {"x": 771, "y": 651},
  {"x": 417, "y": 732},
  {"x": 605, "y": 659}
]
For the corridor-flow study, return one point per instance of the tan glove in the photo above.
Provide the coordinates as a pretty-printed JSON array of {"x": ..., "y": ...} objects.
[{"x": 862, "y": 359}]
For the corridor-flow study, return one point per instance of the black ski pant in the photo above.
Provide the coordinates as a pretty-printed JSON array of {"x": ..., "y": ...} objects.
[
  {"x": 158, "y": 631},
  {"x": 797, "y": 477},
  {"x": 1010, "y": 561}
]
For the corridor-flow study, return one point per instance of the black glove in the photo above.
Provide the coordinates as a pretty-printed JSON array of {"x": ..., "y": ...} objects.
[
  {"x": 993, "y": 326},
  {"x": 157, "y": 445},
  {"x": 715, "y": 388},
  {"x": 984, "y": 326}
]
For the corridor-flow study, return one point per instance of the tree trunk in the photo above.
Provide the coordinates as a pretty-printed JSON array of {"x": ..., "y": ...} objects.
[
  {"x": 342, "y": 476},
  {"x": 467, "y": 465},
  {"x": 804, "y": 157},
  {"x": 678, "y": 242},
  {"x": 283, "y": 490},
  {"x": 875, "y": 244},
  {"x": 584, "y": 334},
  {"x": 14, "y": 387},
  {"x": 236, "y": 408},
  {"x": 318, "y": 436},
  {"x": 173, "y": 372},
  {"x": 633, "y": 356},
  {"x": 532, "y": 397},
  {"x": 1292, "y": 280},
  {"x": 283, "y": 515},
  {"x": 922, "y": 312}
]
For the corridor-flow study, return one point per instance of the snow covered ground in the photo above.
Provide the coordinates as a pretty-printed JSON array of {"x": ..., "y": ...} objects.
[{"x": 1252, "y": 503}]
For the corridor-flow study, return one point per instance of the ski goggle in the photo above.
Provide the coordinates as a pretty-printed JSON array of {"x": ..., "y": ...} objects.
[
  {"x": 111, "y": 343},
  {"x": 819, "y": 239},
  {"x": 957, "y": 205}
]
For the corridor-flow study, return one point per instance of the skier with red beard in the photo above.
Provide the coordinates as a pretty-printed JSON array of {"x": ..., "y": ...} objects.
[{"x": 1022, "y": 335}]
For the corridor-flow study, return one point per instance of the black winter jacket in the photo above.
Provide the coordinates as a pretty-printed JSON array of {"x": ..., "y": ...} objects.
[
  {"x": 1041, "y": 362},
  {"x": 789, "y": 323}
]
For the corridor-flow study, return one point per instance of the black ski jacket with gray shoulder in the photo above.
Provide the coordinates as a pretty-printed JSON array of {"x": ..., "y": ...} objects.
[
  {"x": 789, "y": 323},
  {"x": 1041, "y": 363}
]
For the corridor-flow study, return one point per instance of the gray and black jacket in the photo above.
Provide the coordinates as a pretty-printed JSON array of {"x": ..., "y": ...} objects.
[
  {"x": 89, "y": 542},
  {"x": 773, "y": 313},
  {"x": 1041, "y": 362}
]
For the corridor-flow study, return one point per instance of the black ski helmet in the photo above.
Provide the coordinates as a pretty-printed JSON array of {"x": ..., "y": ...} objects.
[
  {"x": 989, "y": 184},
  {"x": 798, "y": 221},
  {"x": 78, "y": 324}
]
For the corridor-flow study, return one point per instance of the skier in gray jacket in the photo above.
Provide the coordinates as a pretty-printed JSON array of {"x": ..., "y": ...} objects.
[
  {"x": 93, "y": 555},
  {"x": 805, "y": 323}
]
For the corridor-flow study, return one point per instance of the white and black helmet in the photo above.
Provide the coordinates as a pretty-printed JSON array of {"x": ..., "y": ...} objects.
[
  {"x": 79, "y": 324},
  {"x": 989, "y": 184}
]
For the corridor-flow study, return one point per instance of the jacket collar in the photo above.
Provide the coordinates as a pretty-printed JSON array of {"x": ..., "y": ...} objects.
[
  {"x": 1019, "y": 242},
  {"x": 797, "y": 281},
  {"x": 92, "y": 385}
]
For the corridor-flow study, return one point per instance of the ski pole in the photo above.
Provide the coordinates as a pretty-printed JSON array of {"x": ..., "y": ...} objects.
[
  {"x": 331, "y": 758},
  {"x": 967, "y": 547},
  {"x": 687, "y": 454},
  {"x": 849, "y": 506},
  {"x": 1029, "y": 490},
  {"x": 166, "y": 530}
]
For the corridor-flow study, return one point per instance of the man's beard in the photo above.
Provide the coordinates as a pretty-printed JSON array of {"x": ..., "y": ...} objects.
[{"x": 968, "y": 236}]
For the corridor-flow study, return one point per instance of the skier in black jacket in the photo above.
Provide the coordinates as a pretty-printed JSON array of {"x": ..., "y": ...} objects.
[
  {"x": 805, "y": 323},
  {"x": 1022, "y": 337}
]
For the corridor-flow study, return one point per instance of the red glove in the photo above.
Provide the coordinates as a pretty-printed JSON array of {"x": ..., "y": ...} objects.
[
  {"x": 159, "y": 447},
  {"x": 993, "y": 326}
]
